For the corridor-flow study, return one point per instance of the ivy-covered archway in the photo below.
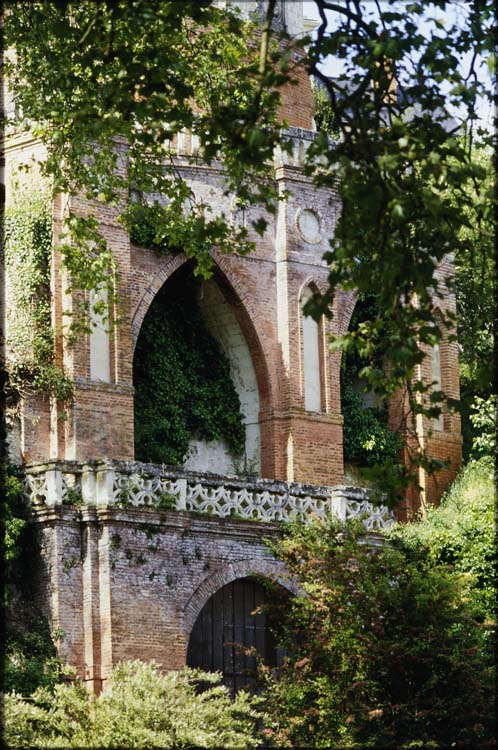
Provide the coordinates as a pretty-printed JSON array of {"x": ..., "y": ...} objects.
[
  {"x": 188, "y": 384},
  {"x": 370, "y": 445}
]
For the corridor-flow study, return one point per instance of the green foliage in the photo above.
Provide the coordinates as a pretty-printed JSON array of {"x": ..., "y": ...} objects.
[
  {"x": 474, "y": 285},
  {"x": 384, "y": 650},
  {"x": 29, "y": 654},
  {"x": 134, "y": 76},
  {"x": 461, "y": 533},
  {"x": 369, "y": 442},
  {"x": 409, "y": 186},
  {"x": 13, "y": 522},
  {"x": 182, "y": 382},
  {"x": 28, "y": 252},
  {"x": 324, "y": 114},
  {"x": 30, "y": 658},
  {"x": 144, "y": 708},
  {"x": 484, "y": 422}
]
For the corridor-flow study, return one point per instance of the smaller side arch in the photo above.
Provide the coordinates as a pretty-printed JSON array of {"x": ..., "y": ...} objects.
[
  {"x": 314, "y": 365},
  {"x": 437, "y": 366}
]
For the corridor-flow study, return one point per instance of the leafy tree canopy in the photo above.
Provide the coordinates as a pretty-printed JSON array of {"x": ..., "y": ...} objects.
[
  {"x": 412, "y": 179},
  {"x": 95, "y": 80}
]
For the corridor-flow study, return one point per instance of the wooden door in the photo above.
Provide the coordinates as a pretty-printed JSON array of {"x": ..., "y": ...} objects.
[{"x": 226, "y": 627}]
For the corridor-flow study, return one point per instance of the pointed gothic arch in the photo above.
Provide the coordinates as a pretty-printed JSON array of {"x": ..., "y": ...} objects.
[{"x": 245, "y": 352}]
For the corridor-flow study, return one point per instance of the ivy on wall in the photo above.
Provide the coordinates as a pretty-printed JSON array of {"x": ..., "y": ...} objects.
[
  {"x": 182, "y": 381},
  {"x": 368, "y": 440},
  {"x": 30, "y": 339}
]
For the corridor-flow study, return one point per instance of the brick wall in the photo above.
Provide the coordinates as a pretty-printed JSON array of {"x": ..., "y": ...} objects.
[{"x": 129, "y": 584}]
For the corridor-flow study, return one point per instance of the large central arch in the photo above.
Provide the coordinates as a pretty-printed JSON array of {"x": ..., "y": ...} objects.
[{"x": 229, "y": 322}]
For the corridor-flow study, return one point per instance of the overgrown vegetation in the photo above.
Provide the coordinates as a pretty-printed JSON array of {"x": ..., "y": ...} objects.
[
  {"x": 144, "y": 93},
  {"x": 144, "y": 708},
  {"x": 13, "y": 521},
  {"x": 386, "y": 649},
  {"x": 182, "y": 380},
  {"x": 29, "y": 655},
  {"x": 27, "y": 230},
  {"x": 30, "y": 658},
  {"x": 475, "y": 279},
  {"x": 460, "y": 533},
  {"x": 370, "y": 445}
]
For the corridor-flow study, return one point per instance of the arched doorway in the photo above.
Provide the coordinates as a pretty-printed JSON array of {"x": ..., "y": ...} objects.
[{"x": 226, "y": 627}]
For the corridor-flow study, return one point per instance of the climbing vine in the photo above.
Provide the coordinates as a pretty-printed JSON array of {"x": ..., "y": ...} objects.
[
  {"x": 369, "y": 442},
  {"x": 30, "y": 339},
  {"x": 182, "y": 380}
]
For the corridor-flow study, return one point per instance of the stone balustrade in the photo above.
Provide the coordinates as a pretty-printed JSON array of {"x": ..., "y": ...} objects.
[{"x": 134, "y": 484}]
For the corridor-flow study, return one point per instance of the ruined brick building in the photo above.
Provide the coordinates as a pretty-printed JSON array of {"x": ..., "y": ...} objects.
[{"x": 133, "y": 580}]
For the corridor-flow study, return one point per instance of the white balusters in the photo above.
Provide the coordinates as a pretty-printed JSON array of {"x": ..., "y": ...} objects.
[{"x": 127, "y": 484}]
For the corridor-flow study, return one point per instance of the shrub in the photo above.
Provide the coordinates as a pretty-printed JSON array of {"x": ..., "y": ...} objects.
[
  {"x": 368, "y": 440},
  {"x": 143, "y": 708},
  {"x": 30, "y": 658},
  {"x": 461, "y": 533},
  {"x": 384, "y": 650},
  {"x": 484, "y": 422}
]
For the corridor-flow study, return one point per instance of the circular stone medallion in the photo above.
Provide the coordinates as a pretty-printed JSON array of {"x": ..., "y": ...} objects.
[{"x": 308, "y": 225}]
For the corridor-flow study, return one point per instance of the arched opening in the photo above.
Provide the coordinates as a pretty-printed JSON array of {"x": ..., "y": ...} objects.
[
  {"x": 435, "y": 374},
  {"x": 369, "y": 442},
  {"x": 436, "y": 380},
  {"x": 228, "y": 627},
  {"x": 196, "y": 393}
]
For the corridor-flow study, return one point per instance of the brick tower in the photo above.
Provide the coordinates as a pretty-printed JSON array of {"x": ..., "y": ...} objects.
[{"x": 121, "y": 576}]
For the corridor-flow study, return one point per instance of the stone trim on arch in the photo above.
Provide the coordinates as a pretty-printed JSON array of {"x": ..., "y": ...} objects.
[
  {"x": 246, "y": 315},
  {"x": 271, "y": 569},
  {"x": 316, "y": 285},
  {"x": 243, "y": 308},
  {"x": 171, "y": 264},
  {"x": 347, "y": 306},
  {"x": 312, "y": 353}
]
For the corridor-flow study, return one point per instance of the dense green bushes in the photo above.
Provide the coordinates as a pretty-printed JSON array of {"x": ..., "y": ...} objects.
[
  {"x": 388, "y": 647},
  {"x": 143, "y": 709},
  {"x": 461, "y": 533},
  {"x": 370, "y": 445},
  {"x": 368, "y": 441},
  {"x": 386, "y": 652},
  {"x": 182, "y": 382},
  {"x": 30, "y": 658}
]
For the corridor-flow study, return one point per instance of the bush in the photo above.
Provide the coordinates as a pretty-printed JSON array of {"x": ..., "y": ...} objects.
[
  {"x": 385, "y": 651},
  {"x": 144, "y": 708},
  {"x": 461, "y": 533},
  {"x": 368, "y": 440},
  {"x": 30, "y": 658},
  {"x": 484, "y": 422}
]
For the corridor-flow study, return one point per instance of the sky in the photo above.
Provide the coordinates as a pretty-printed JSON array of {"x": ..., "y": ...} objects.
[{"x": 332, "y": 66}]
